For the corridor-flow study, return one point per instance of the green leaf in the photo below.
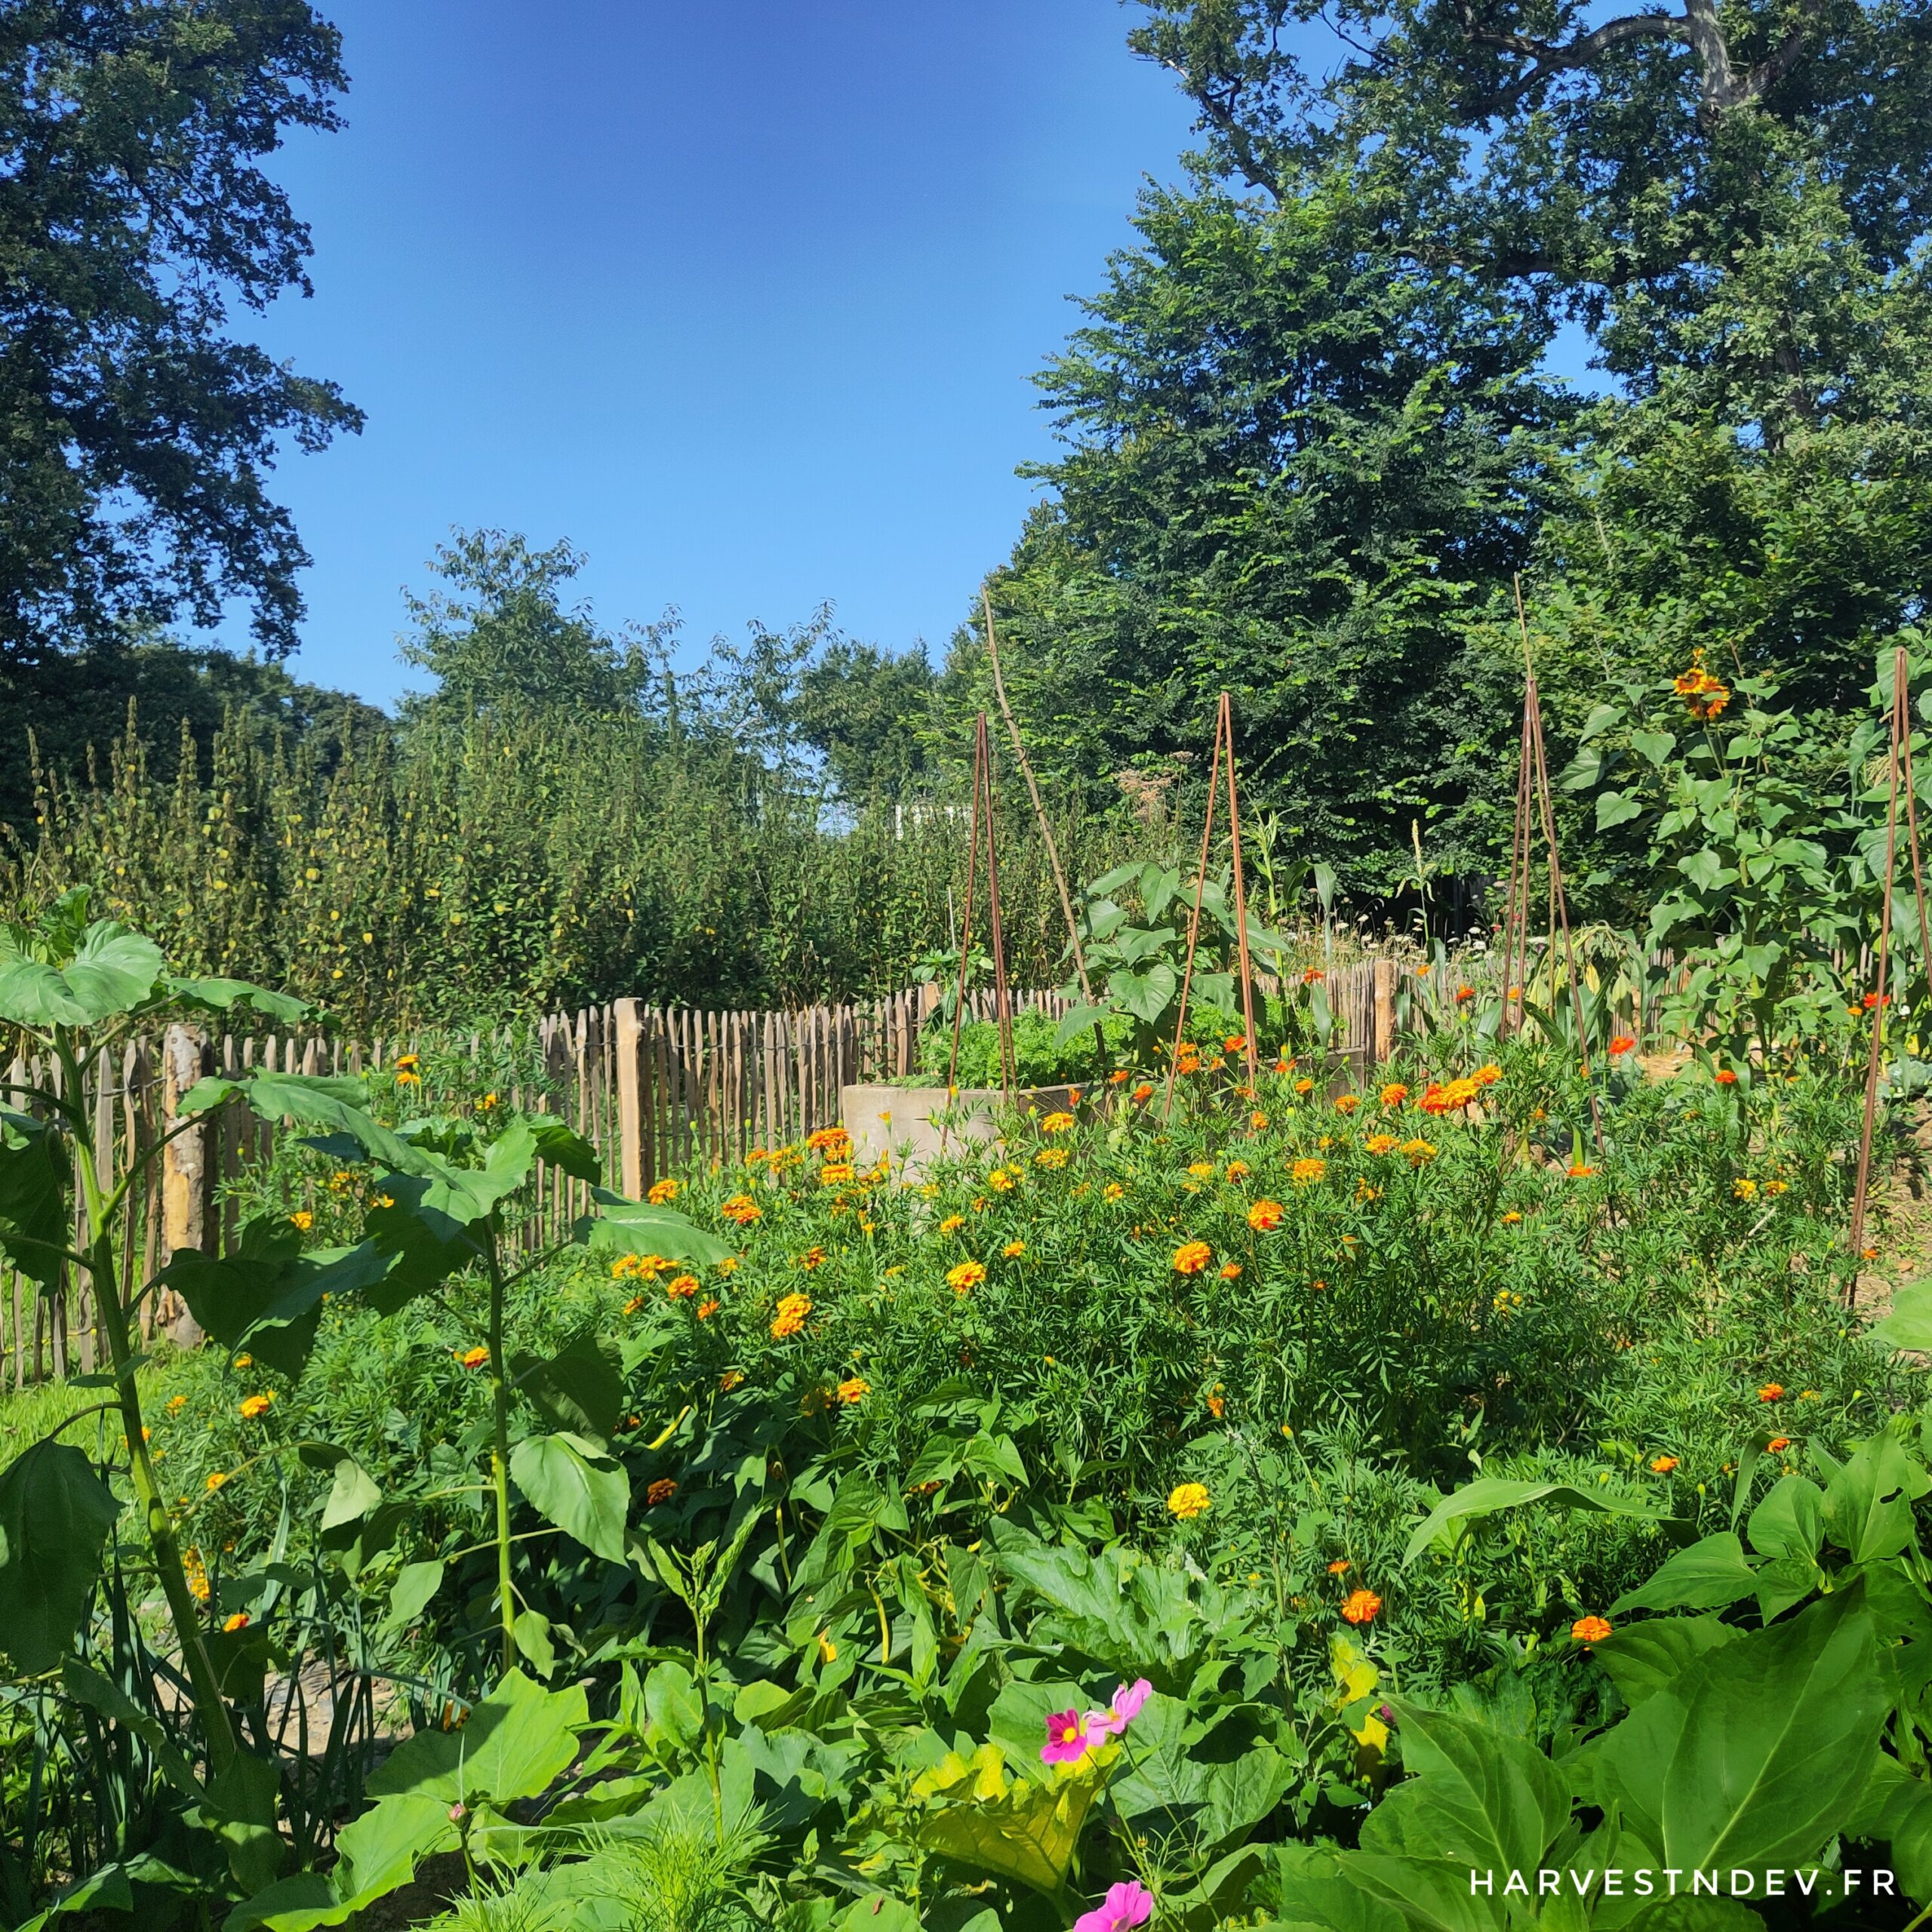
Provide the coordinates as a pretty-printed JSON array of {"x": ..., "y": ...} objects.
[
  {"x": 353, "y": 1497},
  {"x": 570, "y": 1482},
  {"x": 1487, "y": 1495},
  {"x": 1077, "y": 1020},
  {"x": 517, "y": 1741},
  {"x": 1644, "y": 1658},
  {"x": 112, "y": 970},
  {"x": 579, "y": 1388},
  {"x": 564, "y": 1147},
  {"x": 1654, "y": 745},
  {"x": 34, "y": 1172},
  {"x": 1707, "y": 1575},
  {"x": 224, "y": 996},
  {"x": 635, "y": 1227},
  {"x": 1216, "y": 1789},
  {"x": 410, "y": 1594},
  {"x": 1616, "y": 808},
  {"x": 1146, "y": 995},
  {"x": 55, "y": 1513},
  {"x": 1483, "y": 1797},
  {"x": 1705, "y": 869},
  {"x": 1790, "y": 1521},
  {"x": 1868, "y": 1502},
  {"x": 1760, "y": 1750},
  {"x": 1029, "y": 1835}
]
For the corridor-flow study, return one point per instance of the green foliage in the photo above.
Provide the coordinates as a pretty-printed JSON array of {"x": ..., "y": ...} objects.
[{"x": 138, "y": 434}]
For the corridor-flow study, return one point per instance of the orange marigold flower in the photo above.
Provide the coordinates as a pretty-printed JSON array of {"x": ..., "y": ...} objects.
[
  {"x": 1230, "y": 1271},
  {"x": 742, "y": 1210},
  {"x": 1379, "y": 1144},
  {"x": 1265, "y": 1216},
  {"x": 1487, "y": 1076},
  {"x": 679, "y": 1287},
  {"x": 662, "y": 1491},
  {"x": 837, "y": 1173},
  {"x": 1772, "y": 1391},
  {"x": 1002, "y": 1182},
  {"x": 1013, "y": 1250},
  {"x": 253, "y": 1406},
  {"x": 967, "y": 1274},
  {"x": 661, "y": 1192},
  {"x": 1725, "y": 1078},
  {"x": 636, "y": 1302},
  {"x": 239, "y": 1621},
  {"x": 1662, "y": 1465},
  {"x": 1307, "y": 1171},
  {"x": 1216, "y": 1402},
  {"x": 833, "y": 1140},
  {"x": 1235, "y": 1043},
  {"x": 1704, "y": 695},
  {"x": 813, "y": 1257},
  {"x": 1113, "y": 1191},
  {"x": 1304, "y": 1085},
  {"x": 1778, "y": 1442},
  {"x": 1118, "y": 1077},
  {"x": 1313, "y": 973},
  {"x": 474, "y": 1357},
  {"x": 1143, "y": 1092},
  {"x": 1589, "y": 1630},
  {"x": 409, "y": 1071},
  {"x": 790, "y": 1317},
  {"x": 1192, "y": 1257},
  {"x": 1341, "y": 1567},
  {"x": 1510, "y": 1219},
  {"x": 1360, "y": 1606},
  {"x": 1394, "y": 1094},
  {"x": 1622, "y": 1043},
  {"x": 1257, "y": 1120},
  {"x": 1346, "y": 1103},
  {"x": 706, "y": 1309},
  {"x": 1464, "y": 994}
]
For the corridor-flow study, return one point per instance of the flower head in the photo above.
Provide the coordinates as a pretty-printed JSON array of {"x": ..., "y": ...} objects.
[
  {"x": 967, "y": 1274},
  {"x": 790, "y": 1317},
  {"x": 1662, "y": 1465},
  {"x": 1360, "y": 1606},
  {"x": 742, "y": 1210},
  {"x": 1417, "y": 1153},
  {"x": 661, "y": 1192},
  {"x": 1307, "y": 1171},
  {"x": 1621, "y": 1045},
  {"x": 952, "y": 1224},
  {"x": 1187, "y": 1500},
  {"x": 1191, "y": 1257},
  {"x": 1704, "y": 695},
  {"x": 1067, "y": 1739},
  {"x": 1380, "y": 1143},
  {"x": 1128, "y": 1701},
  {"x": 1394, "y": 1094},
  {"x": 1778, "y": 1442},
  {"x": 1589, "y": 1630},
  {"x": 1265, "y": 1216},
  {"x": 1056, "y": 1123},
  {"x": 1772, "y": 1391},
  {"x": 662, "y": 1491},
  {"x": 255, "y": 1406},
  {"x": 239, "y": 1621},
  {"x": 681, "y": 1286},
  {"x": 1724, "y": 1077},
  {"x": 474, "y": 1357},
  {"x": 216, "y": 1479},
  {"x": 853, "y": 1388},
  {"x": 409, "y": 1071},
  {"x": 302, "y": 1220}
]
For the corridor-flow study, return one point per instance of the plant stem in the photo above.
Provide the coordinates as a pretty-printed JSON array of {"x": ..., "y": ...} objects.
[
  {"x": 218, "y": 1732},
  {"x": 500, "y": 1448}
]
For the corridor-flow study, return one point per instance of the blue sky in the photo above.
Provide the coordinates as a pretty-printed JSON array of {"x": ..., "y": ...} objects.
[{"x": 743, "y": 299}]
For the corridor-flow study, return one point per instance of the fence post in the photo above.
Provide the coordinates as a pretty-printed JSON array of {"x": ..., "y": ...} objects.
[
  {"x": 1383, "y": 1047},
  {"x": 185, "y": 1177},
  {"x": 629, "y": 1018}
]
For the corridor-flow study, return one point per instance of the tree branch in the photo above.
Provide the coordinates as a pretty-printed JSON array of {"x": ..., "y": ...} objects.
[{"x": 1562, "y": 57}]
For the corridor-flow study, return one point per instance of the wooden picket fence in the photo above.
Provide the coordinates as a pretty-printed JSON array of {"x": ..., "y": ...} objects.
[{"x": 653, "y": 1089}]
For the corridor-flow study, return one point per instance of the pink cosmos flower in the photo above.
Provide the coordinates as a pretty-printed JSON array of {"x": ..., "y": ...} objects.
[
  {"x": 1125, "y": 1905},
  {"x": 1121, "y": 1712},
  {"x": 1067, "y": 1739}
]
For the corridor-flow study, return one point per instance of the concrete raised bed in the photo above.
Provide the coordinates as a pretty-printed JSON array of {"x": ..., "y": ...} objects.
[{"x": 901, "y": 1120}]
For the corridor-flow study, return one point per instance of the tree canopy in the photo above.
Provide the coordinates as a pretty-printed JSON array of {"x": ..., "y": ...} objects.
[{"x": 135, "y": 434}]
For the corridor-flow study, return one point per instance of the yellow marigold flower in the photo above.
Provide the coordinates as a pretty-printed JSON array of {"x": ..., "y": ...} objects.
[
  {"x": 729, "y": 1266},
  {"x": 1777, "y": 1187},
  {"x": 1237, "y": 1171},
  {"x": 216, "y": 1480},
  {"x": 742, "y": 1210},
  {"x": 837, "y": 1173},
  {"x": 1744, "y": 1190},
  {"x": 1055, "y": 1123},
  {"x": 244, "y": 1361},
  {"x": 1662, "y": 1465},
  {"x": 1192, "y": 1257},
  {"x": 1113, "y": 1191},
  {"x": 302, "y": 1220},
  {"x": 952, "y": 1224},
  {"x": 662, "y": 1491},
  {"x": 474, "y": 1357},
  {"x": 239, "y": 1621},
  {"x": 853, "y": 1388},
  {"x": 1307, "y": 1171},
  {"x": 409, "y": 1071},
  {"x": 197, "y": 1574},
  {"x": 1265, "y": 1216},
  {"x": 1201, "y": 1170},
  {"x": 1418, "y": 1153},
  {"x": 1257, "y": 1120},
  {"x": 1216, "y": 1403},
  {"x": 661, "y": 1192},
  {"x": 790, "y": 1318},
  {"x": 486, "y": 1104},
  {"x": 636, "y": 1302},
  {"x": 1002, "y": 1182},
  {"x": 253, "y": 1406},
  {"x": 1013, "y": 1250},
  {"x": 1050, "y": 1157},
  {"x": 731, "y": 1379},
  {"x": 1380, "y": 1143},
  {"x": 1187, "y": 1500},
  {"x": 1510, "y": 1219},
  {"x": 175, "y": 1403},
  {"x": 967, "y": 1274},
  {"x": 679, "y": 1287}
]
